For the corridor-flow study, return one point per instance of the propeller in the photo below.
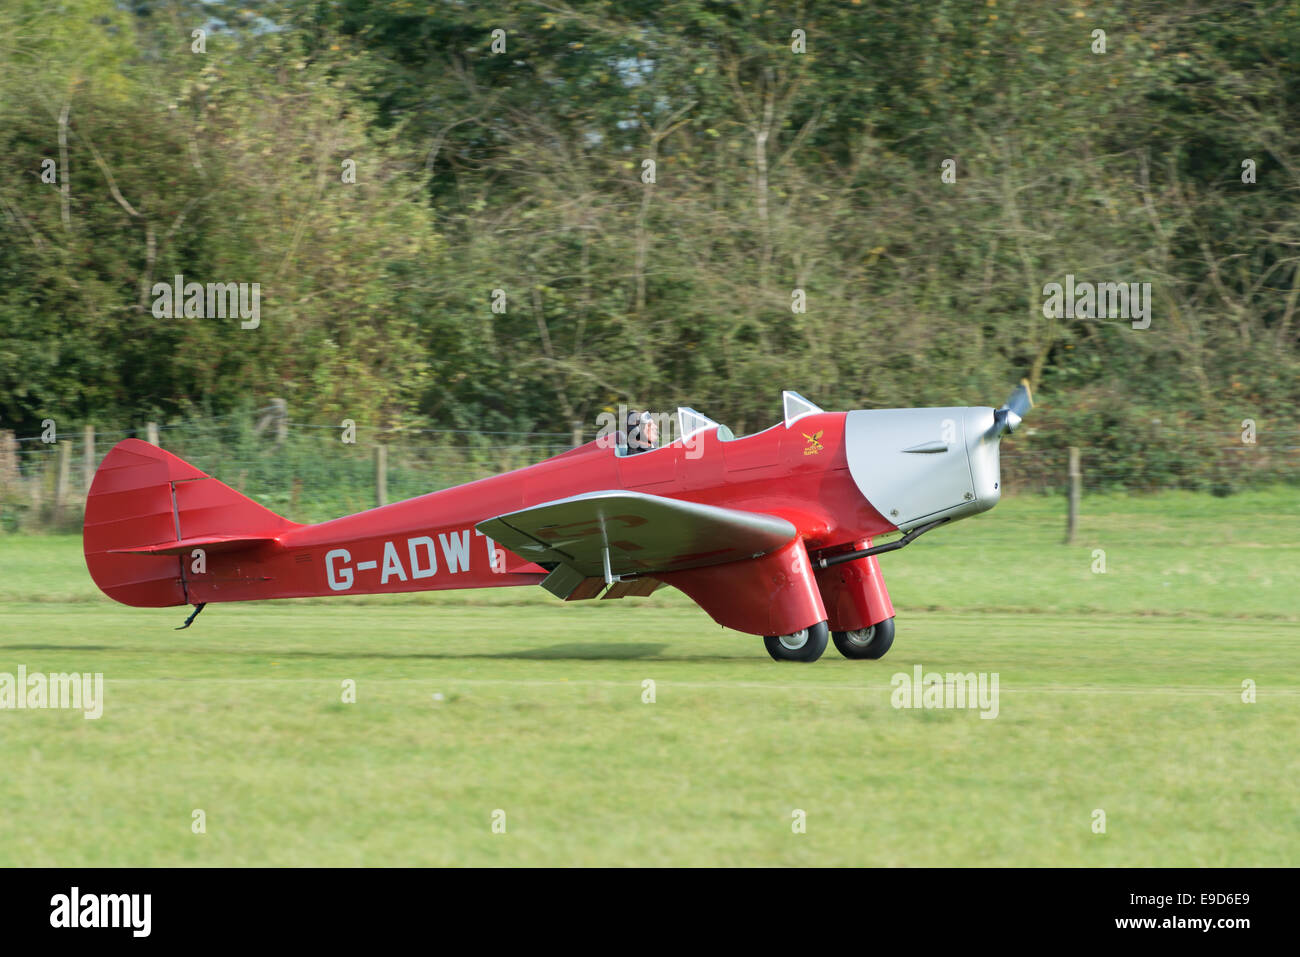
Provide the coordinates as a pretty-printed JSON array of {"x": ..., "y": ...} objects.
[{"x": 1008, "y": 418}]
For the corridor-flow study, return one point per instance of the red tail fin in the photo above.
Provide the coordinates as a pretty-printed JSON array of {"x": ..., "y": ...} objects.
[{"x": 147, "y": 509}]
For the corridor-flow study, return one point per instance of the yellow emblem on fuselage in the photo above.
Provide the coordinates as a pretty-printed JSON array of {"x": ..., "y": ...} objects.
[{"x": 814, "y": 446}]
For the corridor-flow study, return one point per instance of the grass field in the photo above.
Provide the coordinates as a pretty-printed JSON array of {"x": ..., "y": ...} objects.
[{"x": 1119, "y": 691}]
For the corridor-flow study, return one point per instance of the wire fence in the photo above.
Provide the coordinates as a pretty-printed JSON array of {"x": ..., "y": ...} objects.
[
  {"x": 311, "y": 472},
  {"x": 304, "y": 471},
  {"x": 1216, "y": 461}
]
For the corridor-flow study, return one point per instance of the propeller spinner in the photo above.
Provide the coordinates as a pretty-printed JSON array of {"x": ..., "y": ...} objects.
[{"x": 1008, "y": 418}]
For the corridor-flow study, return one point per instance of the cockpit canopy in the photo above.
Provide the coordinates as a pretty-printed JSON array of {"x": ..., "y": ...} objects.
[
  {"x": 793, "y": 408},
  {"x": 690, "y": 422}
]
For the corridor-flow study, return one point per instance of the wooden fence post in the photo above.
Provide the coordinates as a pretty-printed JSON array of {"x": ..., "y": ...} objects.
[
  {"x": 281, "y": 407},
  {"x": 278, "y": 412},
  {"x": 65, "y": 468},
  {"x": 88, "y": 458},
  {"x": 381, "y": 475},
  {"x": 1075, "y": 477},
  {"x": 9, "y": 474}
]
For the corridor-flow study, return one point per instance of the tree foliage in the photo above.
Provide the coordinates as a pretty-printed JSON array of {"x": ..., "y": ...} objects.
[{"x": 775, "y": 171}]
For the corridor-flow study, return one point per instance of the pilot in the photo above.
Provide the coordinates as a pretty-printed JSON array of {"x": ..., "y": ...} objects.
[{"x": 642, "y": 432}]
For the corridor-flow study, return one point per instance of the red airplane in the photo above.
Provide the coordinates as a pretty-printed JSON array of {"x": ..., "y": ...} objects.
[{"x": 769, "y": 533}]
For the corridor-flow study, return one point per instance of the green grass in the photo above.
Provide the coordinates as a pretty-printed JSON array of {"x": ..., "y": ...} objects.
[{"x": 1119, "y": 691}]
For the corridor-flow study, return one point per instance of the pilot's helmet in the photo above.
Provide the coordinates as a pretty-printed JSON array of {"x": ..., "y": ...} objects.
[{"x": 640, "y": 434}]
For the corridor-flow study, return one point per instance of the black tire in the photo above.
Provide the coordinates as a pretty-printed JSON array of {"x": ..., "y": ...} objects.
[
  {"x": 784, "y": 647},
  {"x": 871, "y": 642}
]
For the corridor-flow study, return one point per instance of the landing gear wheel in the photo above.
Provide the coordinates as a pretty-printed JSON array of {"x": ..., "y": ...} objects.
[
  {"x": 804, "y": 645},
  {"x": 870, "y": 642}
]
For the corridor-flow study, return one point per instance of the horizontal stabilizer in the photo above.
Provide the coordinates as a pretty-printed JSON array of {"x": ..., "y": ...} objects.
[{"x": 211, "y": 543}]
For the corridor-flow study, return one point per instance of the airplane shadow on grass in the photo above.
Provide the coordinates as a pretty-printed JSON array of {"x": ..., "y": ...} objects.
[
  {"x": 593, "y": 649},
  {"x": 566, "y": 652},
  {"x": 573, "y": 651},
  {"x": 587, "y": 651}
]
